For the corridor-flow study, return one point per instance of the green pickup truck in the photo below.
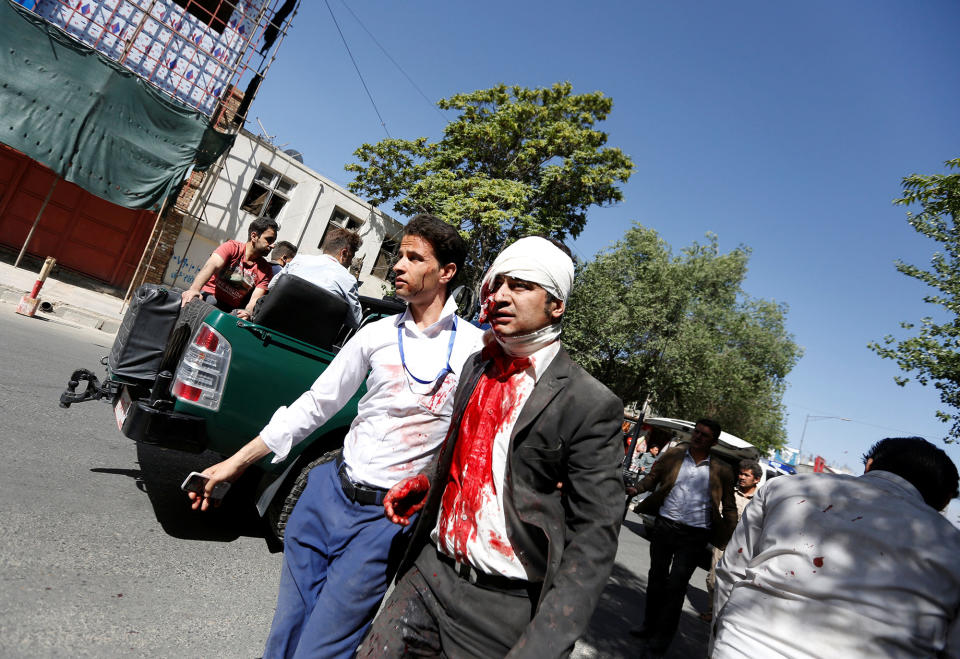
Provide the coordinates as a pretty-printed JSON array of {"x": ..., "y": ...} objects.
[{"x": 206, "y": 380}]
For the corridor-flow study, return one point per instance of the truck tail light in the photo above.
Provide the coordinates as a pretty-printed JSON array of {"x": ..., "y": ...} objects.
[{"x": 202, "y": 371}]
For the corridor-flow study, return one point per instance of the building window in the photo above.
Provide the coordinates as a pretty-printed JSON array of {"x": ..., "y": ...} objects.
[
  {"x": 213, "y": 13},
  {"x": 343, "y": 220},
  {"x": 385, "y": 258},
  {"x": 268, "y": 194}
]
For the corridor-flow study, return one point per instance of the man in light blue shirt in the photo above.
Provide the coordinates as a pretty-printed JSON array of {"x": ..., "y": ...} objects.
[{"x": 329, "y": 270}]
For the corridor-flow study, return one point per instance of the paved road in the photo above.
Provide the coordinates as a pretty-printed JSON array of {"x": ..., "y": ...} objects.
[
  {"x": 100, "y": 555},
  {"x": 622, "y": 602}
]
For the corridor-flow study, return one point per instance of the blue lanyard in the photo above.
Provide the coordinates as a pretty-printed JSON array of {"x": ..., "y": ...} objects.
[{"x": 444, "y": 370}]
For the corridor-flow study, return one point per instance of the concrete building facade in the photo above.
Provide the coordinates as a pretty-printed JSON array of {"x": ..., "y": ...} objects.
[{"x": 256, "y": 179}]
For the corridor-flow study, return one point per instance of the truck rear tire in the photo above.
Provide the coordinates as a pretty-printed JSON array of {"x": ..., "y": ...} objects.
[
  {"x": 282, "y": 505},
  {"x": 190, "y": 319}
]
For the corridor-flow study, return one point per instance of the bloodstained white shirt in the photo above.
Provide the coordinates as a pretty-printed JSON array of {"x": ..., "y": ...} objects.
[
  {"x": 825, "y": 565},
  {"x": 489, "y": 549},
  {"x": 400, "y": 423}
]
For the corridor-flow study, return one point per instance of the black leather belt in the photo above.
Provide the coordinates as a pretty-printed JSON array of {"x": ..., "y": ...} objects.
[
  {"x": 519, "y": 587},
  {"x": 679, "y": 527},
  {"x": 357, "y": 492}
]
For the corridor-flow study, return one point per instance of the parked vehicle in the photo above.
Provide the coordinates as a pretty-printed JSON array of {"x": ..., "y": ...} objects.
[
  {"x": 777, "y": 468},
  {"x": 208, "y": 380}
]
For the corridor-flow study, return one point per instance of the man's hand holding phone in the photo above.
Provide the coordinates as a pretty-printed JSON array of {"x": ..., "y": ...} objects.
[
  {"x": 224, "y": 472},
  {"x": 196, "y": 483},
  {"x": 207, "y": 488}
]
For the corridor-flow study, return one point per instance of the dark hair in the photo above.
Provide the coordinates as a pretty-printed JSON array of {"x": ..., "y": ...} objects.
[
  {"x": 923, "y": 465},
  {"x": 337, "y": 239},
  {"x": 712, "y": 425},
  {"x": 283, "y": 249},
  {"x": 447, "y": 243},
  {"x": 751, "y": 465},
  {"x": 261, "y": 224}
]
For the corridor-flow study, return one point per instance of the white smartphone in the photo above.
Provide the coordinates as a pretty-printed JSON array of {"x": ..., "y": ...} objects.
[{"x": 196, "y": 481}]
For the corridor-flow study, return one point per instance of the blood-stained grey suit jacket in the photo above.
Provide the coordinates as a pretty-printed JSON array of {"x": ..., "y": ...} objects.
[{"x": 568, "y": 432}]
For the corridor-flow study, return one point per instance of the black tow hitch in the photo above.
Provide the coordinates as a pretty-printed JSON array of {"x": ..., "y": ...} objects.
[{"x": 95, "y": 390}]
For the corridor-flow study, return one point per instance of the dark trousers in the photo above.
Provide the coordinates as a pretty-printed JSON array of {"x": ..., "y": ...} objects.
[
  {"x": 675, "y": 551},
  {"x": 338, "y": 558},
  {"x": 433, "y": 612}
]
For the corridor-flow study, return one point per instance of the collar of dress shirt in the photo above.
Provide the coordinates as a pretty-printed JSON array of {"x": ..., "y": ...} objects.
[
  {"x": 897, "y": 482},
  {"x": 542, "y": 359},
  {"x": 692, "y": 459},
  {"x": 446, "y": 317},
  {"x": 334, "y": 259}
]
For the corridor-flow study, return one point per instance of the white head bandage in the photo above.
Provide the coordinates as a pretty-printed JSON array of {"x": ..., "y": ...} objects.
[{"x": 535, "y": 260}]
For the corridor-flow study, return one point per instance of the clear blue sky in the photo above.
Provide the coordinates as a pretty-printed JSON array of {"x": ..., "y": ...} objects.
[{"x": 784, "y": 127}]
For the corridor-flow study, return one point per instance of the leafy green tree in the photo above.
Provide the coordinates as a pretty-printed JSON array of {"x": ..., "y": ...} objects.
[
  {"x": 934, "y": 352},
  {"x": 681, "y": 330},
  {"x": 515, "y": 162}
]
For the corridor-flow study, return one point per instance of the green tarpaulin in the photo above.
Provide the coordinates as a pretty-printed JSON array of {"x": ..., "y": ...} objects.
[{"x": 91, "y": 121}]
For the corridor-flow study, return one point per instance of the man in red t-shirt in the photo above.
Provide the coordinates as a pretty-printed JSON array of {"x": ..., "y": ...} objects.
[{"x": 236, "y": 274}]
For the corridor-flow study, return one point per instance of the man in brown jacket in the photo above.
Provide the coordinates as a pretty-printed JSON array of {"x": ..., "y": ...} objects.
[{"x": 694, "y": 502}]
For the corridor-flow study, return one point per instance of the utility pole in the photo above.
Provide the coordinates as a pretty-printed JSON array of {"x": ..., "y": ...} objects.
[{"x": 815, "y": 417}]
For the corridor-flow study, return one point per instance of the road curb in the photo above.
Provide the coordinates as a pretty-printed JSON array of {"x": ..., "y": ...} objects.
[{"x": 67, "y": 313}]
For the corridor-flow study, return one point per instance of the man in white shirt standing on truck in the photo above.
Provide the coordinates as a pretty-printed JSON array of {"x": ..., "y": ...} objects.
[{"x": 339, "y": 549}]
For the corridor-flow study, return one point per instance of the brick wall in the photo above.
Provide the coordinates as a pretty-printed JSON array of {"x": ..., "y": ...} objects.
[
  {"x": 165, "y": 235},
  {"x": 228, "y": 109}
]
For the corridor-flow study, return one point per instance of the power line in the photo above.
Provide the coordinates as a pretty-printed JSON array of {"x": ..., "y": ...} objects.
[
  {"x": 395, "y": 63},
  {"x": 874, "y": 425},
  {"x": 362, "y": 81}
]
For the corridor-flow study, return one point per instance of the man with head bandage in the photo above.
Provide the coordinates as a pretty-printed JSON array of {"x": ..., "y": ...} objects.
[
  {"x": 503, "y": 561},
  {"x": 531, "y": 260}
]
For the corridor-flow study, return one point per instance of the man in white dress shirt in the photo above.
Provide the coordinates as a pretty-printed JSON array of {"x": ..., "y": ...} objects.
[
  {"x": 329, "y": 270},
  {"x": 694, "y": 502},
  {"x": 825, "y": 565},
  {"x": 339, "y": 550},
  {"x": 503, "y": 561}
]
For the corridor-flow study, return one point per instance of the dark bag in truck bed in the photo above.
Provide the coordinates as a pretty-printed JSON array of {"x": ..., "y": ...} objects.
[{"x": 142, "y": 338}]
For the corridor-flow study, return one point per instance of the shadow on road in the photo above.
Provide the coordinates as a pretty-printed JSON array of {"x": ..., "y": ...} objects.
[
  {"x": 636, "y": 527},
  {"x": 621, "y": 608},
  {"x": 160, "y": 475}
]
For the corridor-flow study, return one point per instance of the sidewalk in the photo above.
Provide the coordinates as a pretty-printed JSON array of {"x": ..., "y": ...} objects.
[{"x": 72, "y": 304}]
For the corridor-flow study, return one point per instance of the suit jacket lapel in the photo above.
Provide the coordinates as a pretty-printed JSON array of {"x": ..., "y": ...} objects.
[{"x": 551, "y": 383}]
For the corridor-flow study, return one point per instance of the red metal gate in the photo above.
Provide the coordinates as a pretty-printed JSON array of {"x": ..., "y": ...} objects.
[{"x": 82, "y": 231}]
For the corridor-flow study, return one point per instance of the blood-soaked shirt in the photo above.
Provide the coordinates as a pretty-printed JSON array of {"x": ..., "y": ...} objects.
[
  {"x": 400, "y": 422},
  {"x": 471, "y": 526}
]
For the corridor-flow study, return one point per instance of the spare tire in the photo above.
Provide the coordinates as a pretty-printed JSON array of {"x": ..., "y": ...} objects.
[{"x": 188, "y": 322}]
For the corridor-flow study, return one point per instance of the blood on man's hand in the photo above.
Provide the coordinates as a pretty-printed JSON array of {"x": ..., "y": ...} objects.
[{"x": 405, "y": 499}]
